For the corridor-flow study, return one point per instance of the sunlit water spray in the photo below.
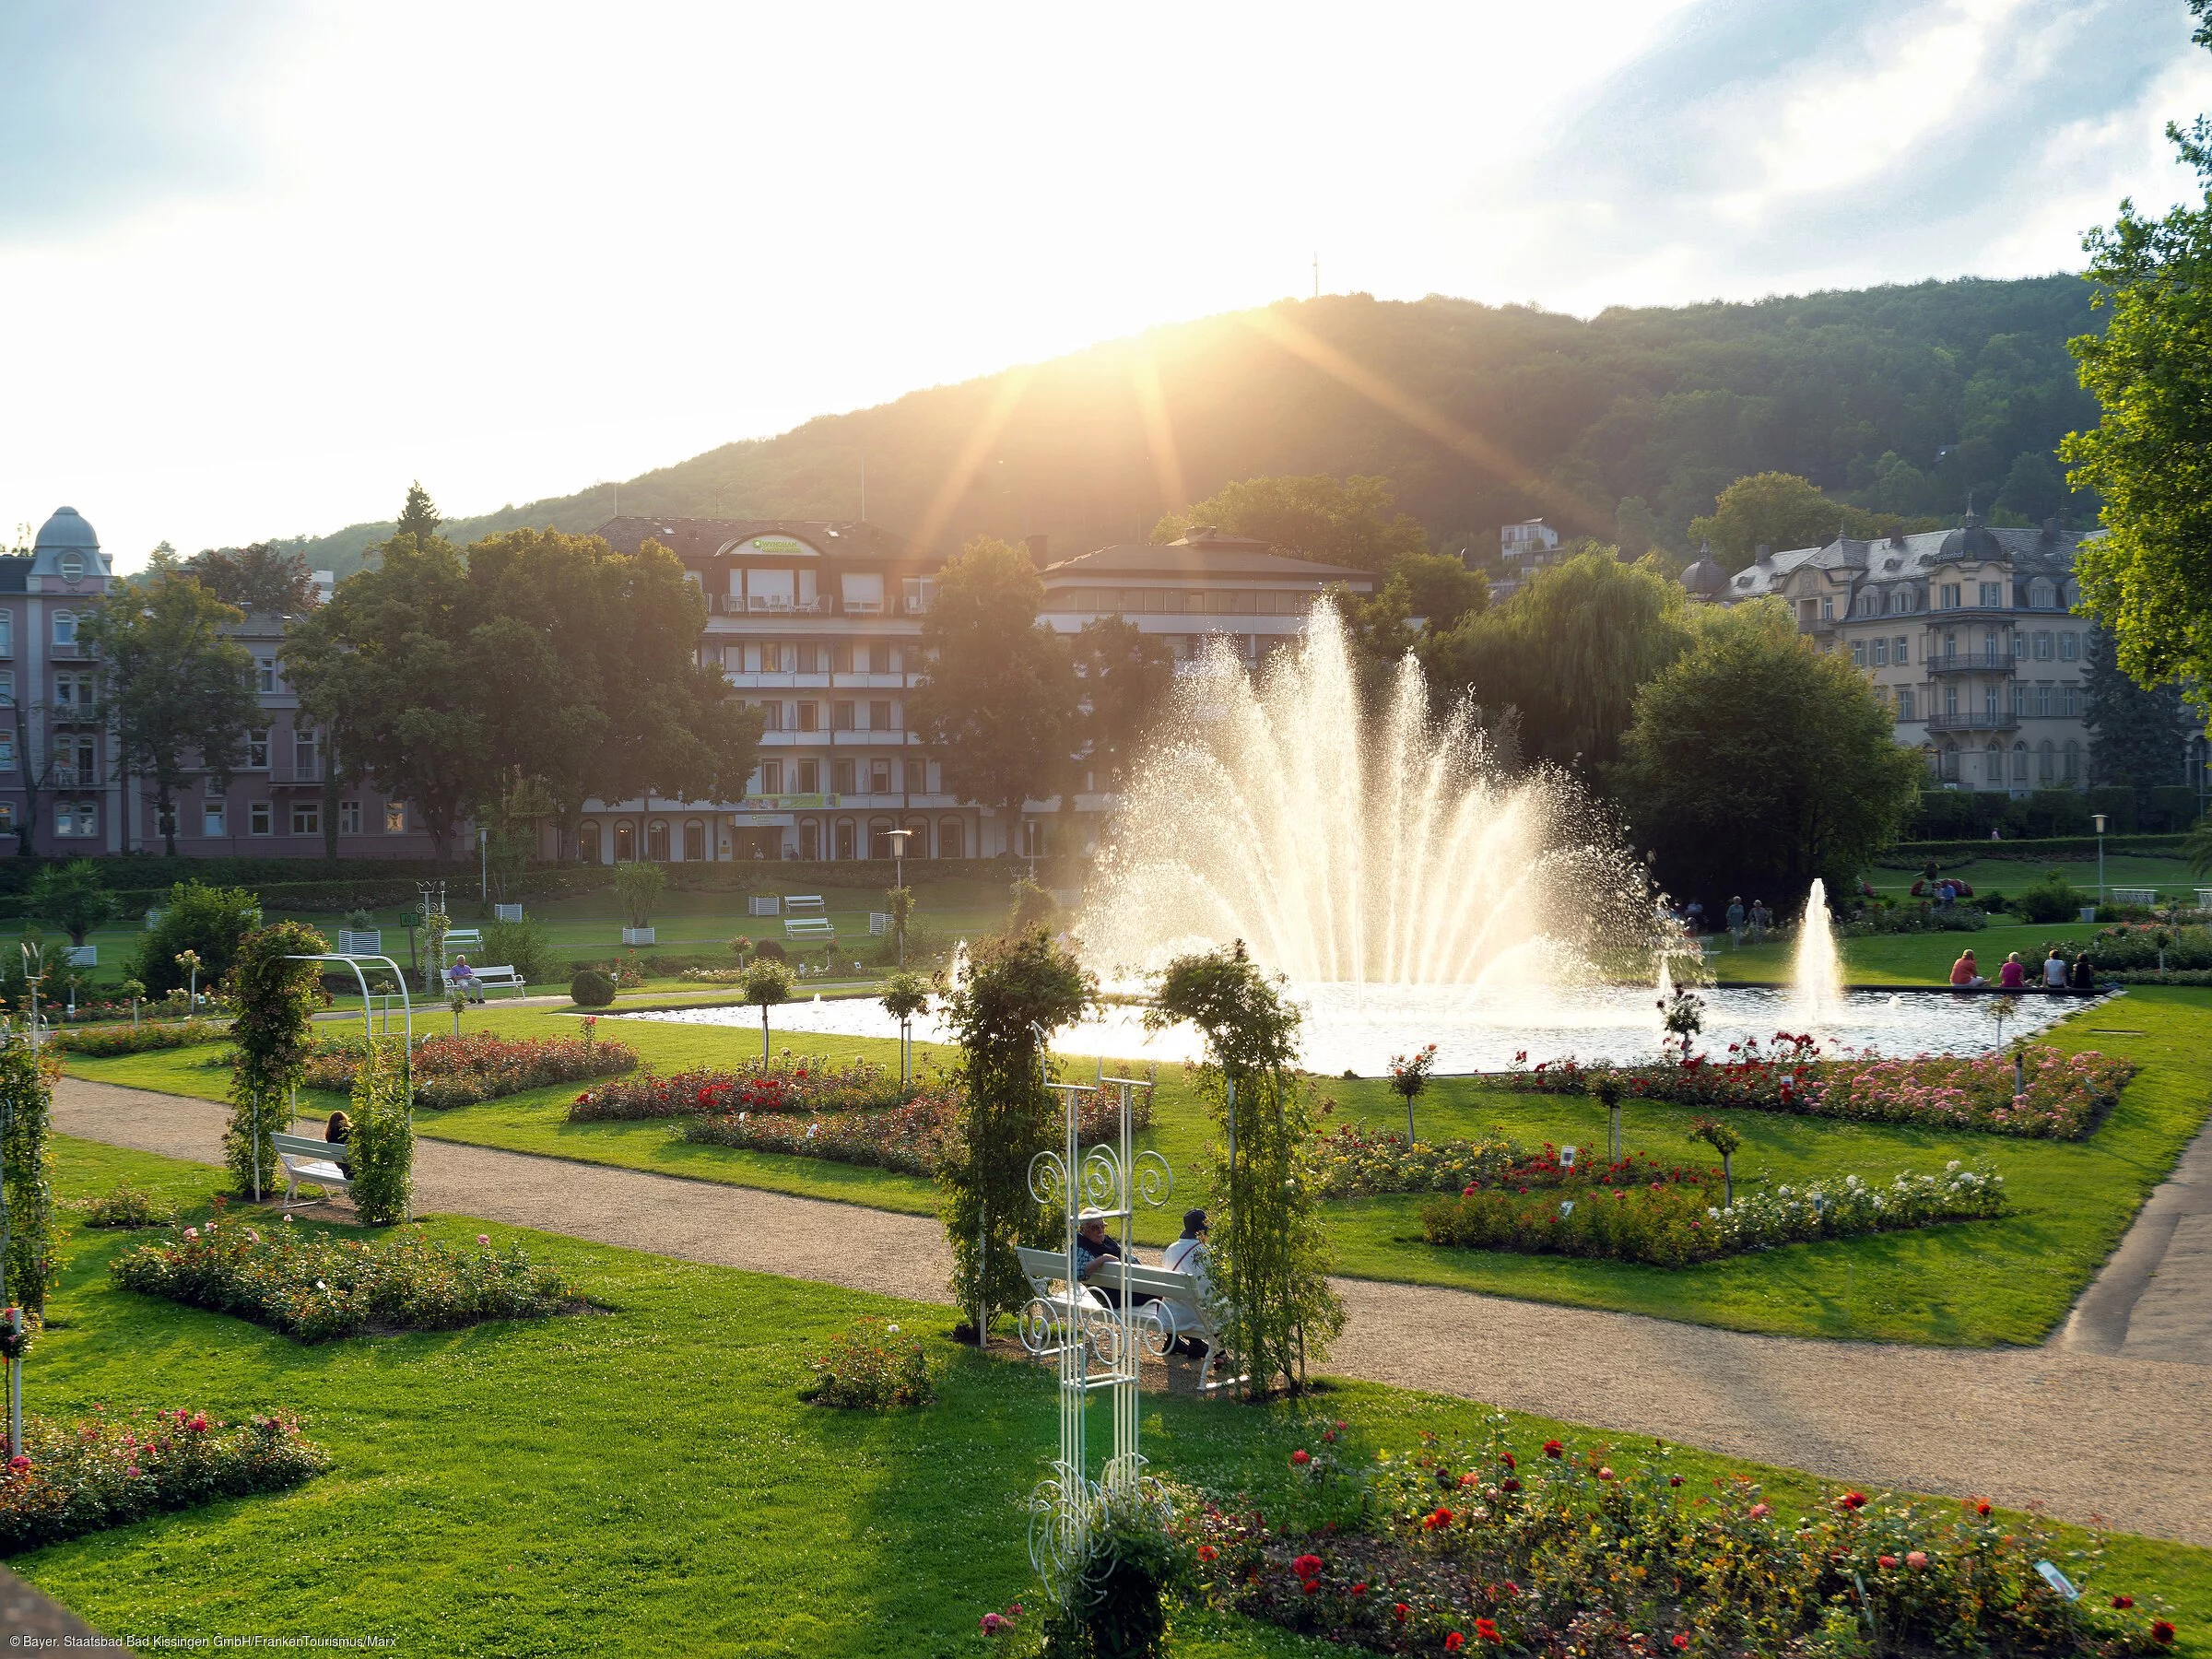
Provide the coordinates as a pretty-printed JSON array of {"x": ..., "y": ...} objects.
[{"x": 1816, "y": 977}]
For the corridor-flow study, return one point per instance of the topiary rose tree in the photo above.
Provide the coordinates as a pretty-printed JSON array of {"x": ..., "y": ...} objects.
[
  {"x": 905, "y": 997},
  {"x": 276, "y": 998},
  {"x": 1271, "y": 1255},
  {"x": 767, "y": 984},
  {"x": 1019, "y": 990}
]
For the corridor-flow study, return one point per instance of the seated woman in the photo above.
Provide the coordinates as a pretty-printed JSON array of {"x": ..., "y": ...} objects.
[
  {"x": 2055, "y": 970},
  {"x": 2012, "y": 976},
  {"x": 1964, "y": 975},
  {"x": 2083, "y": 975},
  {"x": 1188, "y": 1254},
  {"x": 338, "y": 1130}
]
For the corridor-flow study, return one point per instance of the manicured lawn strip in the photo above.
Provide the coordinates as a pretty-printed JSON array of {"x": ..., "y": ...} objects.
[
  {"x": 1970, "y": 1284},
  {"x": 649, "y": 1482},
  {"x": 2008, "y": 876},
  {"x": 1900, "y": 959}
]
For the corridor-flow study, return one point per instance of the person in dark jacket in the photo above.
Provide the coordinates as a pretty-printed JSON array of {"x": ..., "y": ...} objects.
[{"x": 2083, "y": 976}]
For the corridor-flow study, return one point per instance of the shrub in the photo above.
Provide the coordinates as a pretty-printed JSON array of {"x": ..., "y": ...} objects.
[
  {"x": 477, "y": 1066},
  {"x": 2049, "y": 898},
  {"x": 381, "y": 1149},
  {"x": 212, "y": 921},
  {"x": 591, "y": 989},
  {"x": 2137, "y": 944},
  {"x": 921, "y": 1138},
  {"x": 110, "y": 1469},
  {"x": 789, "y": 1086},
  {"x": 640, "y": 886},
  {"x": 872, "y": 1366},
  {"x": 105, "y": 1041},
  {"x": 126, "y": 1206},
  {"x": 1675, "y": 1222},
  {"x": 1555, "y": 1551},
  {"x": 770, "y": 948},
  {"x": 1353, "y": 1163},
  {"x": 525, "y": 945},
  {"x": 315, "y": 1287}
]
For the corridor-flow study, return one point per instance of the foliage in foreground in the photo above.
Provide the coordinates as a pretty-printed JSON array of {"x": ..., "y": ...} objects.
[
  {"x": 2065, "y": 1097},
  {"x": 27, "y": 1183},
  {"x": 105, "y": 1470},
  {"x": 1673, "y": 1221},
  {"x": 277, "y": 995},
  {"x": 315, "y": 1287},
  {"x": 872, "y": 1368},
  {"x": 477, "y": 1066},
  {"x": 1474, "y": 1545}
]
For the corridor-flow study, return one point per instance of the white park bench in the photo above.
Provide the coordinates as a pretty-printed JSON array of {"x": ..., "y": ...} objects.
[
  {"x": 2203, "y": 898},
  {"x": 1195, "y": 1319},
  {"x": 502, "y": 978},
  {"x": 463, "y": 938},
  {"x": 320, "y": 1162},
  {"x": 811, "y": 927},
  {"x": 805, "y": 904},
  {"x": 2148, "y": 897}
]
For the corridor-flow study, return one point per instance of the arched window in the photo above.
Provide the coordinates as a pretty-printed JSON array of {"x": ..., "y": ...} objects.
[
  {"x": 2072, "y": 761},
  {"x": 2046, "y": 762},
  {"x": 917, "y": 843},
  {"x": 587, "y": 843},
  {"x": 952, "y": 839},
  {"x": 1867, "y": 604},
  {"x": 847, "y": 840},
  {"x": 695, "y": 841},
  {"x": 2019, "y": 763},
  {"x": 64, "y": 628},
  {"x": 626, "y": 841},
  {"x": 810, "y": 840},
  {"x": 656, "y": 840},
  {"x": 881, "y": 844}
]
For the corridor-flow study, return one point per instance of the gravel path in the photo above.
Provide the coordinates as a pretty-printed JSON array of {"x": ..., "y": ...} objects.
[{"x": 2087, "y": 1433}]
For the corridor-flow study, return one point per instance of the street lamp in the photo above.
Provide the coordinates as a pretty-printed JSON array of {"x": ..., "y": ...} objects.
[
  {"x": 898, "y": 840},
  {"x": 483, "y": 865},
  {"x": 2097, "y": 818}
]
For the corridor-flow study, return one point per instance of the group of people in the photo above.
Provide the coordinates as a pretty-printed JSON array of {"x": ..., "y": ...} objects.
[
  {"x": 1096, "y": 1256},
  {"x": 1754, "y": 921},
  {"x": 2058, "y": 974}
]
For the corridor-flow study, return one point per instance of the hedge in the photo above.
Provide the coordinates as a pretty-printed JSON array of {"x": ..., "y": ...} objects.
[{"x": 1911, "y": 856}]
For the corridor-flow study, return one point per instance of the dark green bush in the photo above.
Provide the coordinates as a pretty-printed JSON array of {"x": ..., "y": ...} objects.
[
  {"x": 209, "y": 919},
  {"x": 772, "y": 949},
  {"x": 591, "y": 989},
  {"x": 524, "y": 945},
  {"x": 2049, "y": 897}
]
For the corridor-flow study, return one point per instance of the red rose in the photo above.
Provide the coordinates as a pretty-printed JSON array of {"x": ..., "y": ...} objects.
[
  {"x": 2123, "y": 1602},
  {"x": 1485, "y": 1628},
  {"x": 1982, "y": 1507},
  {"x": 1509, "y": 1484},
  {"x": 1674, "y": 1480},
  {"x": 1553, "y": 1449},
  {"x": 1439, "y": 1520},
  {"x": 1399, "y": 1611},
  {"x": 1206, "y": 1552},
  {"x": 1358, "y": 1589},
  {"x": 1885, "y": 1562},
  {"x": 1852, "y": 1501},
  {"x": 2160, "y": 1631},
  {"x": 1507, "y": 1459},
  {"x": 1455, "y": 1642},
  {"x": 1306, "y": 1566}
]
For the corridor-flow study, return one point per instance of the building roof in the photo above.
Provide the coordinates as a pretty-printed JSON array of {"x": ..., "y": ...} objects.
[
  {"x": 15, "y": 573},
  {"x": 66, "y": 529},
  {"x": 1187, "y": 560},
  {"x": 1885, "y": 561},
  {"x": 703, "y": 538}
]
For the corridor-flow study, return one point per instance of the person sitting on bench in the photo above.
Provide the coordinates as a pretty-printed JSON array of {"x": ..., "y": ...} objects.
[
  {"x": 462, "y": 978},
  {"x": 1189, "y": 1254},
  {"x": 339, "y": 1129},
  {"x": 1096, "y": 1254}
]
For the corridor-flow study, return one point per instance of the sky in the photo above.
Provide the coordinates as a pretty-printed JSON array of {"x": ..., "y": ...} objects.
[{"x": 262, "y": 264}]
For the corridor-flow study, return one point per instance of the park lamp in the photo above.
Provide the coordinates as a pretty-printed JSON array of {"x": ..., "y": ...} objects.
[
  {"x": 2098, "y": 820},
  {"x": 898, "y": 840}
]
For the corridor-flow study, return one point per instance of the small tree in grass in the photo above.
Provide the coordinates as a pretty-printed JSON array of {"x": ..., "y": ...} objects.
[
  {"x": 906, "y": 995},
  {"x": 1724, "y": 1139},
  {"x": 1682, "y": 1012},
  {"x": 1409, "y": 1077},
  {"x": 1271, "y": 1256},
  {"x": 73, "y": 897},
  {"x": 277, "y": 997},
  {"x": 767, "y": 984},
  {"x": 382, "y": 1143},
  {"x": 26, "y": 1116},
  {"x": 901, "y": 900},
  {"x": 1018, "y": 992},
  {"x": 1606, "y": 1087},
  {"x": 639, "y": 887}
]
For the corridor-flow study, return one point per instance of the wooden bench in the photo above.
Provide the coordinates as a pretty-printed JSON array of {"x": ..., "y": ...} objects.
[
  {"x": 1194, "y": 1317},
  {"x": 502, "y": 978},
  {"x": 320, "y": 1162},
  {"x": 811, "y": 927}
]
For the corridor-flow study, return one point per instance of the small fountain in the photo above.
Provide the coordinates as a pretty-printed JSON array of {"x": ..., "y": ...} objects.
[{"x": 1816, "y": 977}]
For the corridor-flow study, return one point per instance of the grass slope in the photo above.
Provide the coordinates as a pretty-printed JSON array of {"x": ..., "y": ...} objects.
[{"x": 648, "y": 1482}]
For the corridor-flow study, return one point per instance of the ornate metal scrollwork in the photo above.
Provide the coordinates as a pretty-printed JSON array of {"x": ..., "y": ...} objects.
[
  {"x": 1048, "y": 1180},
  {"x": 1060, "y": 1510}
]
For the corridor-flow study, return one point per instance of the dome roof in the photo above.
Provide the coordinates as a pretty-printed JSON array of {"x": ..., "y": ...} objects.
[
  {"x": 65, "y": 529},
  {"x": 1974, "y": 541},
  {"x": 1705, "y": 578}
]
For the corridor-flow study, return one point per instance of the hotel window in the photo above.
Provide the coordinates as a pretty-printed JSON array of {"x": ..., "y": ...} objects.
[
  {"x": 73, "y": 691},
  {"x": 2069, "y": 648},
  {"x": 1950, "y": 703},
  {"x": 396, "y": 817},
  {"x": 1993, "y": 594},
  {"x": 2072, "y": 761},
  {"x": 304, "y": 756},
  {"x": 2042, "y": 647},
  {"x": 64, "y": 628},
  {"x": 7, "y": 633},
  {"x": 772, "y": 777},
  {"x": 257, "y": 751},
  {"x": 1950, "y": 595},
  {"x": 810, "y": 778},
  {"x": 879, "y": 777},
  {"x": 349, "y": 818},
  {"x": 265, "y": 673},
  {"x": 1900, "y": 651},
  {"x": 1950, "y": 646},
  {"x": 307, "y": 817},
  {"x": 2019, "y": 697},
  {"x": 810, "y": 717},
  {"x": 2042, "y": 595},
  {"x": 75, "y": 818},
  {"x": 7, "y": 751},
  {"x": 1881, "y": 652},
  {"x": 257, "y": 818},
  {"x": 2067, "y": 700},
  {"x": 1989, "y": 702},
  {"x": 7, "y": 687},
  {"x": 1858, "y": 653},
  {"x": 2019, "y": 763},
  {"x": 772, "y": 716},
  {"x": 841, "y": 716},
  {"x": 2042, "y": 697},
  {"x": 2046, "y": 762},
  {"x": 879, "y": 715},
  {"x": 2019, "y": 646},
  {"x": 842, "y": 774},
  {"x": 211, "y": 819},
  {"x": 1904, "y": 702}
]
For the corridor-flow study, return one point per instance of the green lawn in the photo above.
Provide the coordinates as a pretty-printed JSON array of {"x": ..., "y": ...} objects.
[
  {"x": 647, "y": 1481},
  {"x": 2170, "y": 876},
  {"x": 1903, "y": 959},
  {"x": 1973, "y": 1284}
]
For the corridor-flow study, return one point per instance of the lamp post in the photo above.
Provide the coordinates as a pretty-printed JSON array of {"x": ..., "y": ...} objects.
[
  {"x": 483, "y": 864},
  {"x": 898, "y": 840},
  {"x": 2097, "y": 818}
]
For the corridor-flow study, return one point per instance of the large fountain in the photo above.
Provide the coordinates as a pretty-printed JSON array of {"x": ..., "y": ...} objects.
[{"x": 1411, "y": 888}]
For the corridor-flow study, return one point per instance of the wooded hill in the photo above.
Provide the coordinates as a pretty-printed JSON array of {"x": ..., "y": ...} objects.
[{"x": 1900, "y": 399}]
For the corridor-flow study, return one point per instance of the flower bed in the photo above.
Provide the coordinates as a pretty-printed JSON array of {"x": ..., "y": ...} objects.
[
  {"x": 103, "y": 1042},
  {"x": 914, "y": 1139},
  {"x": 789, "y": 1086},
  {"x": 1482, "y": 1548},
  {"x": 107, "y": 1470},
  {"x": 1675, "y": 1220},
  {"x": 2066, "y": 1094},
  {"x": 480, "y": 1066},
  {"x": 315, "y": 1287},
  {"x": 870, "y": 1367},
  {"x": 1355, "y": 1164},
  {"x": 2141, "y": 945}
]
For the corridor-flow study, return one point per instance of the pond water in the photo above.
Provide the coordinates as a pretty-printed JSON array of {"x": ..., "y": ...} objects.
[{"x": 1358, "y": 1028}]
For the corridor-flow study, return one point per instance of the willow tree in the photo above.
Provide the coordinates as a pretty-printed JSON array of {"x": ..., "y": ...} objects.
[
  {"x": 1270, "y": 1253},
  {"x": 277, "y": 995},
  {"x": 1019, "y": 990}
]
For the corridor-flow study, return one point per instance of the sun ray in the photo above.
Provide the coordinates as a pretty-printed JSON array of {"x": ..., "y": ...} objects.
[
  {"x": 1004, "y": 401},
  {"x": 1160, "y": 432}
]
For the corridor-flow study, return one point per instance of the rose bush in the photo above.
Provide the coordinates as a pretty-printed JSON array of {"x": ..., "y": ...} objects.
[
  {"x": 789, "y": 1085},
  {"x": 108, "y": 1469},
  {"x": 478, "y": 1066},
  {"x": 104, "y": 1041},
  {"x": 873, "y": 1367}
]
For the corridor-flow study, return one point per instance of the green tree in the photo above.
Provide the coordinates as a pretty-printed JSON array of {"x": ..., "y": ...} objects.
[
  {"x": 2136, "y": 737},
  {"x": 1127, "y": 679},
  {"x": 1569, "y": 650},
  {"x": 2150, "y": 580},
  {"x": 261, "y": 577},
  {"x": 73, "y": 897},
  {"x": 27, "y": 1080},
  {"x": 1778, "y": 511},
  {"x": 210, "y": 920},
  {"x": 1351, "y": 521},
  {"x": 1756, "y": 762},
  {"x": 277, "y": 996},
  {"x": 1017, "y": 993},
  {"x": 419, "y": 518},
  {"x": 767, "y": 984},
  {"x": 997, "y": 700},
  {"x": 178, "y": 693}
]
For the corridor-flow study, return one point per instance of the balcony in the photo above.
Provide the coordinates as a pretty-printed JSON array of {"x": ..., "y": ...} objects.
[
  {"x": 1997, "y": 662},
  {"x": 1974, "y": 723}
]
